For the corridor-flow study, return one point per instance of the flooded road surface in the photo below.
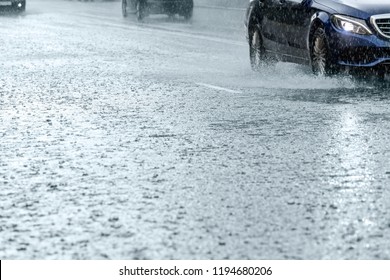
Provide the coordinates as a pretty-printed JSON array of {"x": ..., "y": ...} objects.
[{"x": 155, "y": 140}]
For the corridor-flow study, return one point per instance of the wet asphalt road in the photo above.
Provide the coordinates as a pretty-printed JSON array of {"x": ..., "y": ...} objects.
[{"x": 155, "y": 140}]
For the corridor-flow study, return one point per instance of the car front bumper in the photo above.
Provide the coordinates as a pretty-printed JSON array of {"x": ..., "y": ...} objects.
[{"x": 354, "y": 50}]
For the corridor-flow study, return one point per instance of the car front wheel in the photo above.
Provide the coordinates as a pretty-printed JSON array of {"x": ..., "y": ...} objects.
[
  {"x": 124, "y": 8},
  {"x": 320, "y": 55},
  {"x": 187, "y": 9},
  {"x": 256, "y": 48},
  {"x": 140, "y": 9},
  {"x": 188, "y": 14}
]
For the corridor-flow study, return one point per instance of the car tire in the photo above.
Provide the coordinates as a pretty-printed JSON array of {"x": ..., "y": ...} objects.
[
  {"x": 187, "y": 9},
  {"x": 320, "y": 54},
  {"x": 188, "y": 14},
  {"x": 256, "y": 48},
  {"x": 140, "y": 9},
  {"x": 124, "y": 8}
]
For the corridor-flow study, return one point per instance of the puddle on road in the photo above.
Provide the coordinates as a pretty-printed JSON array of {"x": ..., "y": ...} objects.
[
  {"x": 297, "y": 83},
  {"x": 338, "y": 95},
  {"x": 291, "y": 76}
]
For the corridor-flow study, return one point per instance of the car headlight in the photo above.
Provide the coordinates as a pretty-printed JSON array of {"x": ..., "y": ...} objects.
[{"x": 350, "y": 24}]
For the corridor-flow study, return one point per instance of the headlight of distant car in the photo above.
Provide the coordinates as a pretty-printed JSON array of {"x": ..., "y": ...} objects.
[{"x": 351, "y": 24}]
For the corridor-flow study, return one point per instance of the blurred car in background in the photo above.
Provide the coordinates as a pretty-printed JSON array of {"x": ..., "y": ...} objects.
[
  {"x": 17, "y": 5},
  {"x": 328, "y": 35},
  {"x": 143, "y": 8}
]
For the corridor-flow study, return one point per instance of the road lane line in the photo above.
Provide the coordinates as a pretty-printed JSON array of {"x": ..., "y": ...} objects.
[{"x": 218, "y": 88}]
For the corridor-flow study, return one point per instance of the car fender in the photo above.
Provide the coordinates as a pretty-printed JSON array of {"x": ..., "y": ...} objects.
[
  {"x": 319, "y": 18},
  {"x": 253, "y": 15}
]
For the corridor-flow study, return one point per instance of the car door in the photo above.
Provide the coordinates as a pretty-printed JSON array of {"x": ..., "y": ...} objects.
[
  {"x": 297, "y": 22},
  {"x": 273, "y": 26}
]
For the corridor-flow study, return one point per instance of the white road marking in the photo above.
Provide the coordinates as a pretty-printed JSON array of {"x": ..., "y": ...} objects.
[{"x": 218, "y": 88}]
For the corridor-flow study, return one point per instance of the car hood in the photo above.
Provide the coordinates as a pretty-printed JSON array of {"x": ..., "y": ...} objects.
[{"x": 358, "y": 8}]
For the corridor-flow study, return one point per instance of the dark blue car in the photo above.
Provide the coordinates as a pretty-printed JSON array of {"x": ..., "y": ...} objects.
[{"x": 328, "y": 35}]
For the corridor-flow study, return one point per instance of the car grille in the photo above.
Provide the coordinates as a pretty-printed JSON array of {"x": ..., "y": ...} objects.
[{"x": 382, "y": 24}]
